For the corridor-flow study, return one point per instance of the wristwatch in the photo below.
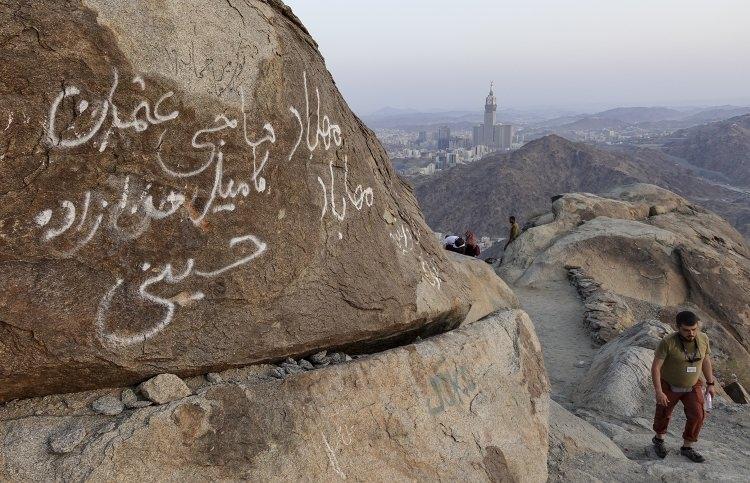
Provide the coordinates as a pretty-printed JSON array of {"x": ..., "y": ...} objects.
[{"x": 710, "y": 383}]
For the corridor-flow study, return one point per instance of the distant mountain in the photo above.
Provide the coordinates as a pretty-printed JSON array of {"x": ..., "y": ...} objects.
[
  {"x": 481, "y": 196},
  {"x": 416, "y": 119},
  {"x": 592, "y": 123},
  {"x": 718, "y": 113},
  {"x": 722, "y": 146},
  {"x": 391, "y": 112},
  {"x": 632, "y": 115}
]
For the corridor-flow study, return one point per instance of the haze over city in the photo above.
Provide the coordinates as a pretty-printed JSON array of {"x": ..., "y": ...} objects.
[{"x": 579, "y": 55}]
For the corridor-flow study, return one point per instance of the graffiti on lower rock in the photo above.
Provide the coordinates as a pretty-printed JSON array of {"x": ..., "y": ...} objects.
[{"x": 449, "y": 388}]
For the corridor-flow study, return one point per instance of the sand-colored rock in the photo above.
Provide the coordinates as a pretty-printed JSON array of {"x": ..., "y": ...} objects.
[
  {"x": 619, "y": 379},
  {"x": 184, "y": 190},
  {"x": 580, "y": 452},
  {"x": 652, "y": 246},
  {"x": 469, "y": 405},
  {"x": 164, "y": 389}
]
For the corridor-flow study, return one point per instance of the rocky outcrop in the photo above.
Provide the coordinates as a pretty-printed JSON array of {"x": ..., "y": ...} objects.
[
  {"x": 606, "y": 315},
  {"x": 619, "y": 379},
  {"x": 184, "y": 190},
  {"x": 580, "y": 452},
  {"x": 471, "y": 404},
  {"x": 737, "y": 393},
  {"x": 645, "y": 244}
]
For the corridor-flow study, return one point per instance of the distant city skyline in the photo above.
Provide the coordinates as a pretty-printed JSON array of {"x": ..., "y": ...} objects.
[{"x": 580, "y": 55}]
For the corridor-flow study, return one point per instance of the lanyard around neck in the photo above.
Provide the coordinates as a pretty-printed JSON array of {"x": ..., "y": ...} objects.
[{"x": 695, "y": 351}]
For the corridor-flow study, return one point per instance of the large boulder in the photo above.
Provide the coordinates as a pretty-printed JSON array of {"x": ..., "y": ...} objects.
[
  {"x": 183, "y": 190},
  {"x": 469, "y": 405},
  {"x": 650, "y": 246},
  {"x": 618, "y": 382},
  {"x": 580, "y": 452}
]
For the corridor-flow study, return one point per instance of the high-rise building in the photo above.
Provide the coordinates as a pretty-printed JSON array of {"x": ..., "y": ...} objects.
[
  {"x": 490, "y": 116},
  {"x": 422, "y": 137},
  {"x": 507, "y": 135},
  {"x": 490, "y": 134},
  {"x": 444, "y": 137}
]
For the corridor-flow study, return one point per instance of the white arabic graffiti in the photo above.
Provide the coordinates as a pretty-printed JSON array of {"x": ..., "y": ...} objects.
[
  {"x": 140, "y": 118},
  {"x": 169, "y": 276}
]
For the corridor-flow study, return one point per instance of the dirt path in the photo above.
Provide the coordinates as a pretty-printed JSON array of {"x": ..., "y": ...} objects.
[{"x": 557, "y": 313}]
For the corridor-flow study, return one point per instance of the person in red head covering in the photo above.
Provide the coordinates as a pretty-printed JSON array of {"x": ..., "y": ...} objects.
[{"x": 472, "y": 245}]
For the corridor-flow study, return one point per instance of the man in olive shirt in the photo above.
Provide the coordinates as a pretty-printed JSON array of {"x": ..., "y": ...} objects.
[
  {"x": 515, "y": 231},
  {"x": 678, "y": 363}
]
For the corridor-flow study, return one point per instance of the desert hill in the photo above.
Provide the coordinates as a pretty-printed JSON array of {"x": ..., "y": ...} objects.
[
  {"x": 482, "y": 195},
  {"x": 723, "y": 147}
]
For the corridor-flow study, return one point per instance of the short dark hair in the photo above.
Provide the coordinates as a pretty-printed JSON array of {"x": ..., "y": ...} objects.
[
  {"x": 512, "y": 218},
  {"x": 686, "y": 318}
]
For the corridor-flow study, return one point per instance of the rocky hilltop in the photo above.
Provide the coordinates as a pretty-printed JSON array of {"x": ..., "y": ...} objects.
[
  {"x": 614, "y": 269},
  {"x": 654, "y": 253},
  {"x": 482, "y": 195}
]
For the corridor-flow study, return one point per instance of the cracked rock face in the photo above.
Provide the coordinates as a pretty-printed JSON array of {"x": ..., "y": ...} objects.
[
  {"x": 468, "y": 405},
  {"x": 183, "y": 189},
  {"x": 644, "y": 243}
]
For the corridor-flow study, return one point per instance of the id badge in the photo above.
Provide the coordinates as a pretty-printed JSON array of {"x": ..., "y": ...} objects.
[{"x": 692, "y": 369}]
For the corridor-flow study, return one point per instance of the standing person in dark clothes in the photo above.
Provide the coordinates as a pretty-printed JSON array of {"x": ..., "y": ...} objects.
[
  {"x": 472, "y": 245},
  {"x": 515, "y": 232}
]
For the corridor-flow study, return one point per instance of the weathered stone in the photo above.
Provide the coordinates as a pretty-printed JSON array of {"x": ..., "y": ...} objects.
[
  {"x": 165, "y": 388},
  {"x": 184, "y": 188},
  {"x": 66, "y": 441},
  {"x": 468, "y": 405},
  {"x": 738, "y": 393},
  {"x": 213, "y": 378},
  {"x": 128, "y": 396},
  {"x": 572, "y": 439},
  {"x": 108, "y": 405},
  {"x": 278, "y": 373},
  {"x": 306, "y": 365},
  {"x": 337, "y": 358},
  {"x": 138, "y": 404},
  {"x": 318, "y": 358},
  {"x": 619, "y": 379},
  {"x": 292, "y": 369}
]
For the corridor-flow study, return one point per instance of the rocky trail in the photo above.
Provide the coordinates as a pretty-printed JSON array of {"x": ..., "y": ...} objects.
[
  {"x": 598, "y": 331},
  {"x": 613, "y": 449},
  {"x": 557, "y": 312}
]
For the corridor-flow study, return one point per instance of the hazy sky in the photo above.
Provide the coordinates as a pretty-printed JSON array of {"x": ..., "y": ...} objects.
[{"x": 569, "y": 53}]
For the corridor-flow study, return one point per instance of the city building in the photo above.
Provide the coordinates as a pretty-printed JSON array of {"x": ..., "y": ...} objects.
[
  {"x": 444, "y": 137},
  {"x": 494, "y": 136}
]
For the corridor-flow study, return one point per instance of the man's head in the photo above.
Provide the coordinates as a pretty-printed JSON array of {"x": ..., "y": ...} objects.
[
  {"x": 512, "y": 219},
  {"x": 687, "y": 325}
]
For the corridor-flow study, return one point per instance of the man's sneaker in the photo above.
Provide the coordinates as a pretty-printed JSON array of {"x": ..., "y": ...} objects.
[
  {"x": 661, "y": 450},
  {"x": 692, "y": 455}
]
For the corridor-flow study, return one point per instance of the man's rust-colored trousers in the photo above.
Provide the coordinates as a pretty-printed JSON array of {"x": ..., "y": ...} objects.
[{"x": 694, "y": 411}]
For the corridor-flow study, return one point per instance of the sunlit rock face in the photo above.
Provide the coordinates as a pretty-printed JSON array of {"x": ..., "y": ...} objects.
[{"x": 183, "y": 189}]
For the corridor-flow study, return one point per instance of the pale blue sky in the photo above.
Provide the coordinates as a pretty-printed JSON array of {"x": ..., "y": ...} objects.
[{"x": 577, "y": 53}]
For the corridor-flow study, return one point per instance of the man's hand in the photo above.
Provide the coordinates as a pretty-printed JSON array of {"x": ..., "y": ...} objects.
[
  {"x": 712, "y": 391},
  {"x": 662, "y": 399}
]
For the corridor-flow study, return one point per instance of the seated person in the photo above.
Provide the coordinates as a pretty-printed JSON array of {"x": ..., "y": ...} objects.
[
  {"x": 472, "y": 245},
  {"x": 454, "y": 243}
]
